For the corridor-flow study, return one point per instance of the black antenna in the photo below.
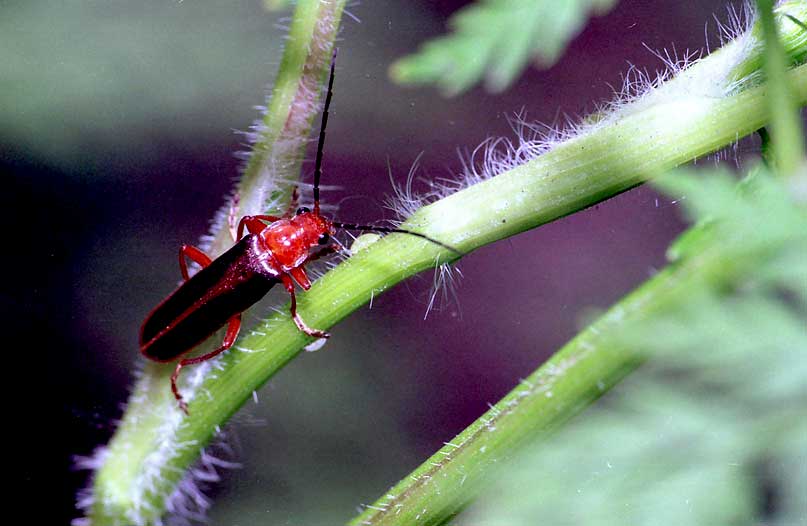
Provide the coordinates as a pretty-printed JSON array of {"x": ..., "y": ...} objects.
[
  {"x": 321, "y": 143},
  {"x": 391, "y": 230},
  {"x": 318, "y": 173}
]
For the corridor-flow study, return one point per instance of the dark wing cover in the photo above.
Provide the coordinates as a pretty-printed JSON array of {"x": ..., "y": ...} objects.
[{"x": 203, "y": 304}]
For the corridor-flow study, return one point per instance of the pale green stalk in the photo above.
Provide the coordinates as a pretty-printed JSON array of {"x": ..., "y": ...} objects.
[{"x": 785, "y": 123}]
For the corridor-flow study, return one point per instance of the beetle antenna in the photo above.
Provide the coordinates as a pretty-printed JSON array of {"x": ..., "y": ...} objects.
[
  {"x": 321, "y": 143},
  {"x": 391, "y": 230}
]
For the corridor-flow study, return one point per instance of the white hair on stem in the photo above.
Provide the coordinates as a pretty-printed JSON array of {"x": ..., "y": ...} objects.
[
  {"x": 187, "y": 503},
  {"x": 640, "y": 90},
  {"x": 444, "y": 288}
]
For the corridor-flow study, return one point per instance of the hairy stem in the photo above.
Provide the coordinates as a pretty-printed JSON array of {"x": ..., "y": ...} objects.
[{"x": 281, "y": 137}]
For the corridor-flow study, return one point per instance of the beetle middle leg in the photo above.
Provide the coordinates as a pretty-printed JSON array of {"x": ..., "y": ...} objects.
[
  {"x": 230, "y": 336},
  {"x": 316, "y": 333}
]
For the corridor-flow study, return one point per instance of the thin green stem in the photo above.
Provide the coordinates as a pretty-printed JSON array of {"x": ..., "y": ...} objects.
[
  {"x": 787, "y": 140},
  {"x": 282, "y": 135}
]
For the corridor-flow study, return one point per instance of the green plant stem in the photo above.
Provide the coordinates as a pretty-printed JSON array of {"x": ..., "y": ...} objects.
[
  {"x": 282, "y": 135},
  {"x": 787, "y": 143},
  {"x": 156, "y": 444},
  {"x": 140, "y": 468}
]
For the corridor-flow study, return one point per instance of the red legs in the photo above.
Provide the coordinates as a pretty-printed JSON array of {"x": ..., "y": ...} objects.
[
  {"x": 336, "y": 246},
  {"x": 254, "y": 224},
  {"x": 322, "y": 252},
  {"x": 289, "y": 284},
  {"x": 203, "y": 260},
  {"x": 299, "y": 275},
  {"x": 229, "y": 339},
  {"x": 195, "y": 255}
]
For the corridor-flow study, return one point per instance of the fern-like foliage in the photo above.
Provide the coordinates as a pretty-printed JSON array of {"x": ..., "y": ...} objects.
[
  {"x": 713, "y": 429},
  {"x": 496, "y": 39}
]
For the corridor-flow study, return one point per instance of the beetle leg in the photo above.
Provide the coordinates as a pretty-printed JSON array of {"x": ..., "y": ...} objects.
[
  {"x": 229, "y": 339},
  {"x": 337, "y": 246},
  {"x": 299, "y": 275},
  {"x": 254, "y": 224},
  {"x": 316, "y": 333},
  {"x": 194, "y": 254},
  {"x": 326, "y": 251}
]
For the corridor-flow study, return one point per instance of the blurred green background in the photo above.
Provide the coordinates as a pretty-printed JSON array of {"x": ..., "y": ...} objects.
[{"x": 117, "y": 137}]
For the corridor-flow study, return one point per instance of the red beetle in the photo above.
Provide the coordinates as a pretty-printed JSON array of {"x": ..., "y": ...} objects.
[{"x": 275, "y": 250}]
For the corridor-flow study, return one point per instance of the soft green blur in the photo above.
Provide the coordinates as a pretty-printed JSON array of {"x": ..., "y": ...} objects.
[{"x": 82, "y": 76}]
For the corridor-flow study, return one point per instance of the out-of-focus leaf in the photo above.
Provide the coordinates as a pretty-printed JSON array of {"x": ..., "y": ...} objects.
[
  {"x": 80, "y": 79},
  {"x": 496, "y": 39}
]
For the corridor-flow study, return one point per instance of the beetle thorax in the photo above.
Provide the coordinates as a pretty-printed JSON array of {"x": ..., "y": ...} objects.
[{"x": 291, "y": 240}]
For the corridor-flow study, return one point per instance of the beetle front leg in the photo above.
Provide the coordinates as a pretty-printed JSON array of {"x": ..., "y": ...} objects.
[
  {"x": 195, "y": 255},
  {"x": 254, "y": 224},
  {"x": 315, "y": 333},
  {"x": 230, "y": 336}
]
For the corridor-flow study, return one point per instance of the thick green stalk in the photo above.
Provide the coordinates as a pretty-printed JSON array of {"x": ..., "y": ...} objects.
[{"x": 144, "y": 462}]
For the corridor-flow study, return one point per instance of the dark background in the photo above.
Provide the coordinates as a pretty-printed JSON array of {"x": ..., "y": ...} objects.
[{"x": 116, "y": 146}]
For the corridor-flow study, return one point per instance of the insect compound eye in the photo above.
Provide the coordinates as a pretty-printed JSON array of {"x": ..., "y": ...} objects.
[
  {"x": 323, "y": 239},
  {"x": 303, "y": 210}
]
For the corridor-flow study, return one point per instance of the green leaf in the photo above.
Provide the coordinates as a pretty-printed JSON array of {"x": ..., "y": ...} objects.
[{"x": 496, "y": 39}]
